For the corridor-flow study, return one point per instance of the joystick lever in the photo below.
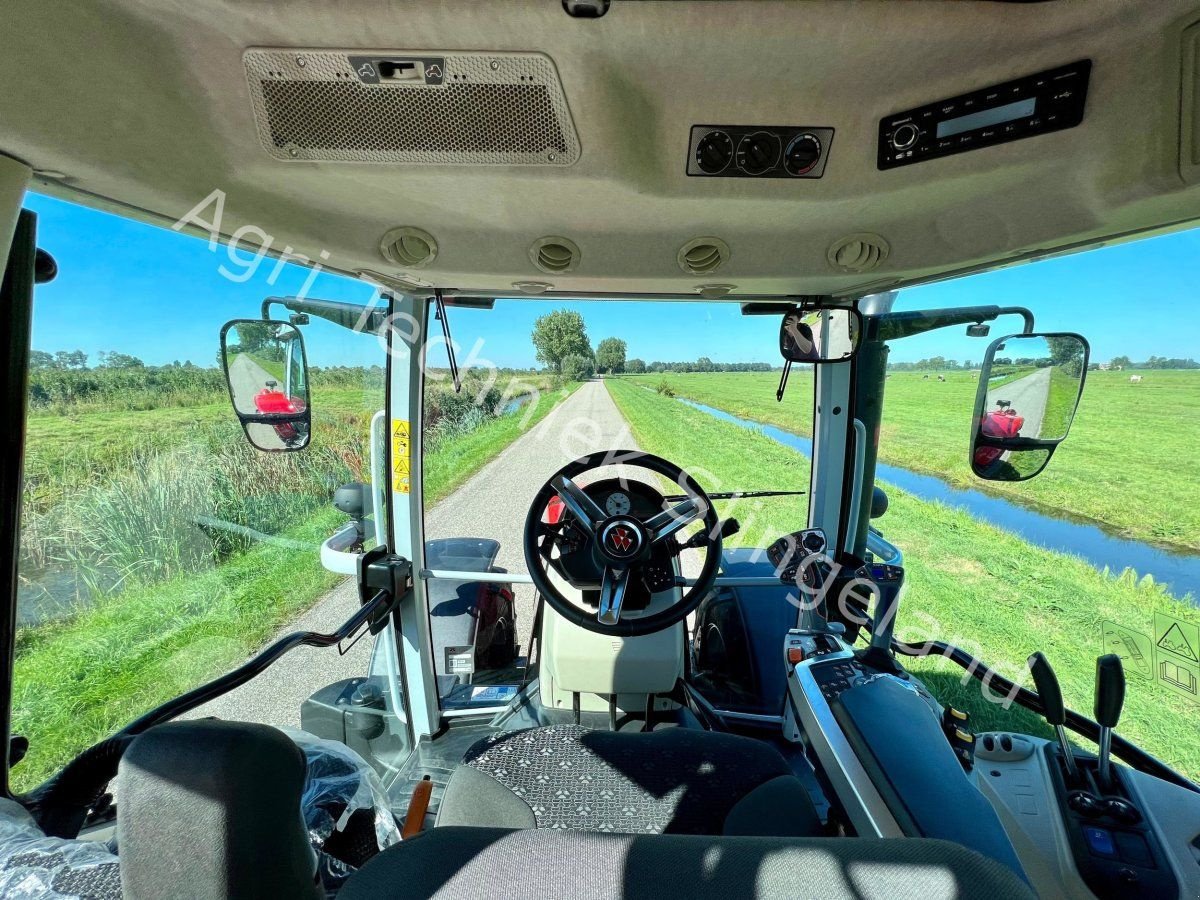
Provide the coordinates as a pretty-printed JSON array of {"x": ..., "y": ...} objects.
[
  {"x": 1050, "y": 694},
  {"x": 1110, "y": 697}
]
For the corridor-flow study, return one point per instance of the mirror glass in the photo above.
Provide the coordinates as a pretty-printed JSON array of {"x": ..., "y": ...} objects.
[
  {"x": 1029, "y": 389},
  {"x": 819, "y": 335},
  {"x": 268, "y": 382}
]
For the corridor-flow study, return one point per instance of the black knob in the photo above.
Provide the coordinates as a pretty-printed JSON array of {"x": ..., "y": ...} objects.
[
  {"x": 802, "y": 154},
  {"x": 1110, "y": 690},
  {"x": 758, "y": 152},
  {"x": 905, "y": 136},
  {"x": 714, "y": 152},
  {"x": 1048, "y": 689}
]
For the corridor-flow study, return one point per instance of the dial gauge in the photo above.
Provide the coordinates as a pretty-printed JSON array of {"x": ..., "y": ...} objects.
[{"x": 617, "y": 504}]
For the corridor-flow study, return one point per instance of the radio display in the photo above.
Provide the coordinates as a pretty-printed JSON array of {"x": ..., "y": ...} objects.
[{"x": 986, "y": 117}]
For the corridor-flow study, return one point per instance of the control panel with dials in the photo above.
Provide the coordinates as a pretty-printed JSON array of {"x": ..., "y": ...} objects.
[{"x": 758, "y": 151}]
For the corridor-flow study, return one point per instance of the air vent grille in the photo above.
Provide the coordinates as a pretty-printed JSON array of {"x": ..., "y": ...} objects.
[
  {"x": 858, "y": 253},
  {"x": 554, "y": 255},
  {"x": 409, "y": 247},
  {"x": 702, "y": 256},
  {"x": 498, "y": 109}
]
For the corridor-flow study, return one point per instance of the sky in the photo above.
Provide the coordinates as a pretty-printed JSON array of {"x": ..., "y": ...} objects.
[{"x": 161, "y": 296}]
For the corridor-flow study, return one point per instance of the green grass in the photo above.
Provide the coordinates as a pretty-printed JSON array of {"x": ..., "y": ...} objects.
[
  {"x": 1130, "y": 462},
  {"x": 80, "y": 679},
  {"x": 968, "y": 583},
  {"x": 458, "y": 458}
]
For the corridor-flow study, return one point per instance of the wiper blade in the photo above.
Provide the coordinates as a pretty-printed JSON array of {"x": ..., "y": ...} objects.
[{"x": 737, "y": 495}]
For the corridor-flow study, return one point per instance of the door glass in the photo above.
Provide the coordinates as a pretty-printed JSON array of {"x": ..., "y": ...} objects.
[
  {"x": 158, "y": 548},
  {"x": 1098, "y": 554}
]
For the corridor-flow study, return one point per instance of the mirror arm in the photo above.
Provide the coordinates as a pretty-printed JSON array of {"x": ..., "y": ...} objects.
[{"x": 893, "y": 326}]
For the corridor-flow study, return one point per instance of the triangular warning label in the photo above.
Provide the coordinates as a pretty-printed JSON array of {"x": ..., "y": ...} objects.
[{"x": 1176, "y": 642}]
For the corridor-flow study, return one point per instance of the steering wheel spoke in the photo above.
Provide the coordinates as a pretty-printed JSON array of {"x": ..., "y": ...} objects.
[
  {"x": 612, "y": 595},
  {"x": 678, "y": 517},
  {"x": 583, "y": 507}
]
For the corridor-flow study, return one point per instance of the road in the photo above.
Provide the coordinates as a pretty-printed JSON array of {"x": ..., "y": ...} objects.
[
  {"x": 1028, "y": 396},
  {"x": 492, "y": 503}
]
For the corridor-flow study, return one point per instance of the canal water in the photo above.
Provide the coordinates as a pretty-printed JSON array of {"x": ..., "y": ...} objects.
[{"x": 1179, "y": 571}]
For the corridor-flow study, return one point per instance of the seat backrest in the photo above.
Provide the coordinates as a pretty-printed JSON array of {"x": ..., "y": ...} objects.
[{"x": 211, "y": 810}]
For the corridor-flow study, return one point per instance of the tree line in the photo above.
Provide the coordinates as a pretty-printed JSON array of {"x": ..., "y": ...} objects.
[{"x": 562, "y": 344}]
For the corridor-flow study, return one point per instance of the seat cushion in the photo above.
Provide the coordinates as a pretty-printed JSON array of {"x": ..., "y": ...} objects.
[
  {"x": 678, "y": 780},
  {"x": 485, "y": 863}
]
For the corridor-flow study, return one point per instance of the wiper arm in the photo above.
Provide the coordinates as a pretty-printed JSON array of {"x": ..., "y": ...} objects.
[{"x": 737, "y": 495}]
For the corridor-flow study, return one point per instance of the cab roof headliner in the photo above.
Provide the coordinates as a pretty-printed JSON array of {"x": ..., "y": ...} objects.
[{"x": 142, "y": 106}]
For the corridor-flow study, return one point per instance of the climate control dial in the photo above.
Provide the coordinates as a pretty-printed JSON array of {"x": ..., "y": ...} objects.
[
  {"x": 758, "y": 152},
  {"x": 714, "y": 153},
  {"x": 802, "y": 153}
]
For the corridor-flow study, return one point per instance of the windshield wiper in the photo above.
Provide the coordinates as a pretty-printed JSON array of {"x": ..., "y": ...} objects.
[{"x": 737, "y": 495}]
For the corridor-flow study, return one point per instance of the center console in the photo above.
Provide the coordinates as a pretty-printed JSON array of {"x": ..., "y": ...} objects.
[{"x": 901, "y": 766}]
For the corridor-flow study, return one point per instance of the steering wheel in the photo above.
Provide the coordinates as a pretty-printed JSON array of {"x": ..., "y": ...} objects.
[{"x": 622, "y": 546}]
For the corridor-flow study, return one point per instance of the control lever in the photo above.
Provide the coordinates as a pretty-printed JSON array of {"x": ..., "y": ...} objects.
[
  {"x": 1050, "y": 694},
  {"x": 1110, "y": 698}
]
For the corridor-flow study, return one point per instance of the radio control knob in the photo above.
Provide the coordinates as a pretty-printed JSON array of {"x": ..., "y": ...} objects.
[
  {"x": 905, "y": 136},
  {"x": 802, "y": 154}
]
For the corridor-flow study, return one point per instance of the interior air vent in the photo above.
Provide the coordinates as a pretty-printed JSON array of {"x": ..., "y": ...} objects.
[
  {"x": 858, "y": 253},
  {"x": 409, "y": 247},
  {"x": 702, "y": 256},
  {"x": 437, "y": 107},
  {"x": 554, "y": 255}
]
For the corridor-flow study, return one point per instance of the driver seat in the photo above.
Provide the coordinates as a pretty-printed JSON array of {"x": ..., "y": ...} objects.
[{"x": 674, "y": 781}]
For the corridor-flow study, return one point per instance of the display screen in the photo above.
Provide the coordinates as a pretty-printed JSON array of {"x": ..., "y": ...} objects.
[{"x": 986, "y": 117}]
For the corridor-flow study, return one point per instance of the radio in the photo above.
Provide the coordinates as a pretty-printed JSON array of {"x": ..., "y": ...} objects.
[{"x": 1036, "y": 104}]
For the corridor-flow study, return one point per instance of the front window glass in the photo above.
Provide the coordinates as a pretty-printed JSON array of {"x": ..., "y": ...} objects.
[
  {"x": 547, "y": 382},
  {"x": 158, "y": 548}
]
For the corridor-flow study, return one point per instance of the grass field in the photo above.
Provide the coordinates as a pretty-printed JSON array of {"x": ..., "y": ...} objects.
[
  {"x": 123, "y": 487},
  {"x": 968, "y": 583},
  {"x": 1130, "y": 462}
]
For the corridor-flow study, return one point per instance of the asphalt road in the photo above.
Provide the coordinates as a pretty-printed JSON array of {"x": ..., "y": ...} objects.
[
  {"x": 492, "y": 503},
  {"x": 1028, "y": 396}
]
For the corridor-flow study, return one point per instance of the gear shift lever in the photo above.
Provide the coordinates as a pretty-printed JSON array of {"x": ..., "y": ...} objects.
[
  {"x": 1110, "y": 697},
  {"x": 1050, "y": 694}
]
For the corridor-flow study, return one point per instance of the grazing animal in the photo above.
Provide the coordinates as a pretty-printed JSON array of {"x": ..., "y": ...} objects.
[
  {"x": 941, "y": 378},
  {"x": 1135, "y": 379},
  {"x": 924, "y": 377}
]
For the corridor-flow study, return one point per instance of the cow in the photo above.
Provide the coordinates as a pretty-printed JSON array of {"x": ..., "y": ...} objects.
[
  {"x": 1135, "y": 379},
  {"x": 941, "y": 378},
  {"x": 924, "y": 377}
]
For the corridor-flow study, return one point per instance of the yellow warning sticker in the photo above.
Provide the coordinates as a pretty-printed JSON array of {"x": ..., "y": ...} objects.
[{"x": 401, "y": 458}]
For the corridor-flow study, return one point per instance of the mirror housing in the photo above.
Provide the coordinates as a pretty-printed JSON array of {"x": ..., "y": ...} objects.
[
  {"x": 1029, "y": 389},
  {"x": 266, "y": 371},
  {"x": 819, "y": 336}
]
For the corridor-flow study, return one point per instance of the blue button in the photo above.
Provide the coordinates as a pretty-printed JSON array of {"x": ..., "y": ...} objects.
[{"x": 1099, "y": 841}]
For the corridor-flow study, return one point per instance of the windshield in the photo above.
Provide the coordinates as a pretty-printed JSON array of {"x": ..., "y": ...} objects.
[{"x": 547, "y": 382}]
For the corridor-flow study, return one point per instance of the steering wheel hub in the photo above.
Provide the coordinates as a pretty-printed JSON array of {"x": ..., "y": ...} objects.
[{"x": 623, "y": 540}]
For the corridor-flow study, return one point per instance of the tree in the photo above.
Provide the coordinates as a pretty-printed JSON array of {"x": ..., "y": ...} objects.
[
  {"x": 70, "y": 359},
  {"x": 560, "y": 334},
  {"x": 635, "y": 366},
  {"x": 1121, "y": 362},
  {"x": 704, "y": 364},
  {"x": 40, "y": 359},
  {"x": 578, "y": 367},
  {"x": 610, "y": 355},
  {"x": 116, "y": 360}
]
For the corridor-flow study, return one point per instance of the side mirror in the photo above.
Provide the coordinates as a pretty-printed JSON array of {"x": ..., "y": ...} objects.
[
  {"x": 819, "y": 335},
  {"x": 1029, "y": 388},
  {"x": 267, "y": 374}
]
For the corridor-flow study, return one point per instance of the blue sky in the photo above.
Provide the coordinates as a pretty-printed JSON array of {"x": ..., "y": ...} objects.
[{"x": 160, "y": 296}]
